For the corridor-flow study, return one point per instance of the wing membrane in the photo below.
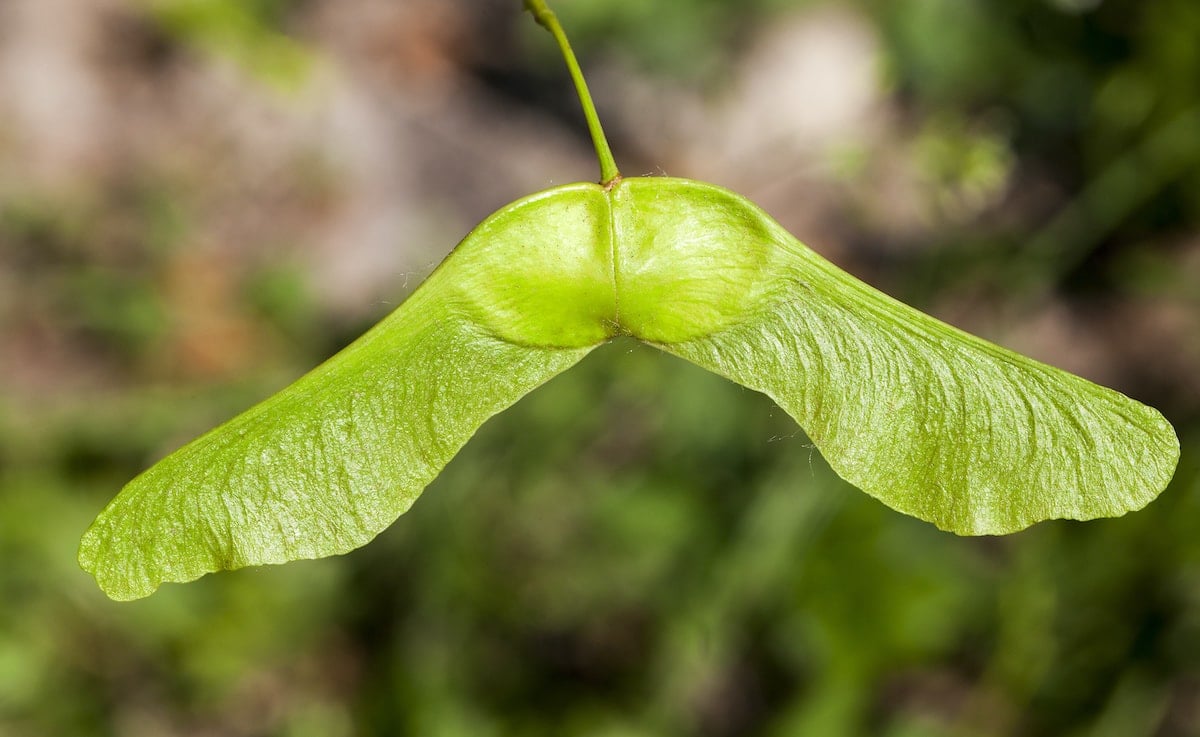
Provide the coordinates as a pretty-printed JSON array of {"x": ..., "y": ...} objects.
[
  {"x": 933, "y": 421},
  {"x": 325, "y": 465}
]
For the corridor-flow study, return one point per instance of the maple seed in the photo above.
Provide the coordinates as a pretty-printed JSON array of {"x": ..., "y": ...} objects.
[{"x": 931, "y": 421}]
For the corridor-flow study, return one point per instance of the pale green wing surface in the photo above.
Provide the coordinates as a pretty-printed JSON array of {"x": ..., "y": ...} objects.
[
  {"x": 932, "y": 421},
  {"x": 328, "y": 463}
]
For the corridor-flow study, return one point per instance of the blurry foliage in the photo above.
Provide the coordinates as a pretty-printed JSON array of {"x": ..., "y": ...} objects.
[
  {"x": 1106, "y": 99},
  {"x": 690, "y": 40},
  {"x": 969, "y": 170},
  {"x": 249, "y": 32},
  {"x": 638, "y": 544},
  {"x": 100, "y": 283},
  {"x": 638, "y": 549}
]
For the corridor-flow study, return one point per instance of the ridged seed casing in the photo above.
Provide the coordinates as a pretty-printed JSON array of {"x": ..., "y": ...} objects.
[{"x": 649, "y": 258}]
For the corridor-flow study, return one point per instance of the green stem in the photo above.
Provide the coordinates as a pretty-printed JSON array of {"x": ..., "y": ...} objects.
[{"x": 548, "y": 20}]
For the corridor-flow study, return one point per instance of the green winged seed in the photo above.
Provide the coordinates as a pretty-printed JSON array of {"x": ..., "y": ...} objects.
[{"x": 931, "y": 421}]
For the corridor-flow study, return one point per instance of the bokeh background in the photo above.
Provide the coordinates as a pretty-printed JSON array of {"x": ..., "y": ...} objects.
[{"x": 201, "y": 199}]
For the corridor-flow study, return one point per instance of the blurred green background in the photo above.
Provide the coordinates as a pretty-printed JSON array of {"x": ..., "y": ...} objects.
[{"x": 201, "y": 199}]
